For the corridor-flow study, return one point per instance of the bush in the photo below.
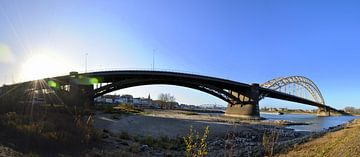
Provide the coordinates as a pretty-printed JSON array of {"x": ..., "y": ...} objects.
[
  {"x": 269, "y": 140},
  {"x": 196, "y": 146}
]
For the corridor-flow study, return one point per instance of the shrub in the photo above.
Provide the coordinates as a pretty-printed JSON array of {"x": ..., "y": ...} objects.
[
  {"x": 196, "y": 146},
  {"x": 269, "y": 141}
]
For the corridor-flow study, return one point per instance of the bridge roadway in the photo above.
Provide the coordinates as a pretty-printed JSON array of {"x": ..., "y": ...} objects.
[{"x": 242, "y": 98}]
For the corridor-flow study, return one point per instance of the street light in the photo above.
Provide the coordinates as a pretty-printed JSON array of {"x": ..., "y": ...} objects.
[{"x": 86, "y": 54}]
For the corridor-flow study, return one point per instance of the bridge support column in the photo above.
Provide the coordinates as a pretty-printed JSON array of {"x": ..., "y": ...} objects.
[
  {"x": 79, "y": 96},
  {"x": 323, "y": 112},
  {"x": 249, "y": 109}
]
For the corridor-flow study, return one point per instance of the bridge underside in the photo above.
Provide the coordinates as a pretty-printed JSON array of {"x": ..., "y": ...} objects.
[
  {"x": 243, "y": 99},
  {"x": 323, "y": 112},
  {"x": 240, "y": 105}
]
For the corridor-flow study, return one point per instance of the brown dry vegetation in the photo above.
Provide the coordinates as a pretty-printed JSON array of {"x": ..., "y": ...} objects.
[
  {"x": 345, "y": 142},
  {"x": 48, "y": 131}
]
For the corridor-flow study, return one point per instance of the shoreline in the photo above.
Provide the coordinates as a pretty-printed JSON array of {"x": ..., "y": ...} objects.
[
  {"x": 341, "y": 140},
  {"x": 266, "y": 112},
  {"x": 243, "y": 136}
]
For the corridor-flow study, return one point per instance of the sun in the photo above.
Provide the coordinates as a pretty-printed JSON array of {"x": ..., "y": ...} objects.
[{"x": 43, "y": 66}]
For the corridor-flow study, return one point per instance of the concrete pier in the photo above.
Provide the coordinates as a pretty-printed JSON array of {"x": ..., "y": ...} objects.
[
  {"x": 323, "y": 112},
  {"x": 249, "y": 108}
]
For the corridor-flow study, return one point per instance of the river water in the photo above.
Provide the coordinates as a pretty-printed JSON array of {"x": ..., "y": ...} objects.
[{"x": 316, "y": 123}]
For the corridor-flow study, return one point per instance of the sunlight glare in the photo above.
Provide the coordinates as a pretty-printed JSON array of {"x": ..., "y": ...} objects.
[{"x": 44, "y": 66}]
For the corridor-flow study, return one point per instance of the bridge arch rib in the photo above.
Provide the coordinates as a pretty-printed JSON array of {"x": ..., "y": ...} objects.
[{"x": 278, "y": 83}]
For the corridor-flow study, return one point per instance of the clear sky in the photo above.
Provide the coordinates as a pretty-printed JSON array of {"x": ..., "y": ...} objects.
[{"x": 246, "y": 41}]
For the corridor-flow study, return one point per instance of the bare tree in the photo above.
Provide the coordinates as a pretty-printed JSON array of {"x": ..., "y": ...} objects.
[
  {"x": 352, "y": 110},
  {"x": 166, "y": 99}
]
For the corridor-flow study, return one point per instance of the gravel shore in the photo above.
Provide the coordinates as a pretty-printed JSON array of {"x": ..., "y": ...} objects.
[{"x": 226, "y": 136}]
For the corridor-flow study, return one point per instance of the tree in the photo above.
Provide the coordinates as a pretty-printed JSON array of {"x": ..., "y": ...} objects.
[
  {"x": 352, "y": 110},
  {"x": 165, "y": 100}
]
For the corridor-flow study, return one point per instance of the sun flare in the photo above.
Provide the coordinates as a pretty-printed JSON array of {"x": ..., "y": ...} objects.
[{"x": 43, "y": 66}]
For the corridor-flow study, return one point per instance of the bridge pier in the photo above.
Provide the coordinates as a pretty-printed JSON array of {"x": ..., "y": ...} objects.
[
  {"x": 249, "y": 108},
  {"x": 79, "y": 90},
  {"x": 323, "y": 112}
]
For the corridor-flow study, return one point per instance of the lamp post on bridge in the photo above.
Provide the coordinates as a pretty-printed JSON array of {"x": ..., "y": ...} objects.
[{"x": 86, "y": 54}]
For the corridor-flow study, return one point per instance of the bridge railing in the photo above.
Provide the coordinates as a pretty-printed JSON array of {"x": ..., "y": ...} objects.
[
  {"x": 148, "y": 69},
  {"x": 118, "y": 69}
]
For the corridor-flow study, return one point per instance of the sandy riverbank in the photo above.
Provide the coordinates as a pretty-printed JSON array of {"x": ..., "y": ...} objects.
[
  {"x": 226, "y": 135},
  {"x": 175, "y": 123}
]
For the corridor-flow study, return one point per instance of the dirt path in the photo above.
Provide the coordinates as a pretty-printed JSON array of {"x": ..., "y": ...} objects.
[{"x": 345, "y": 142}]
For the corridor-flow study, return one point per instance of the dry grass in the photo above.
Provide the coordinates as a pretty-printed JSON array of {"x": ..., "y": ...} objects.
[
  {"x": 54, "y": 130},
  {"x": 269, "y": 141},
  {"x": 345, "y": 142}
]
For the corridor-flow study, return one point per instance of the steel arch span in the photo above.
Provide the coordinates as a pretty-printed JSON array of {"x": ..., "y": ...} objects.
[{"x": 294, "y": 85}]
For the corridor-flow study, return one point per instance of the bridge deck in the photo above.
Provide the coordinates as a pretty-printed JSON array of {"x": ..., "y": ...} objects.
[{"x": 114, "y": 76}]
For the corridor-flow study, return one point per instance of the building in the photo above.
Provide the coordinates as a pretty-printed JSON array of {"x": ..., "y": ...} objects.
[{"x": 129, "y": 100}]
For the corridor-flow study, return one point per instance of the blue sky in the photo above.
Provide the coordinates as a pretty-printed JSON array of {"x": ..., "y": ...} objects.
[{"x": 245, "y": 41}]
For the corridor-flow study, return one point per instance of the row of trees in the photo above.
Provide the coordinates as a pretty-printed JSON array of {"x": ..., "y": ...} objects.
[{"x": 352, "y": 110}]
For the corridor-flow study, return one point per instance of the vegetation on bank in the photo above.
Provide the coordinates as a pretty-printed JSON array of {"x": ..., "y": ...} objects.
[
  {"x": 55, "y": 129},
  {"x": 345, "y": 142},
  {"x": 269, "y": 141},
  {"x": 352, "y": 110},
  {"x": 47, "y": 130},
  {"x": 196, "y": 146}
]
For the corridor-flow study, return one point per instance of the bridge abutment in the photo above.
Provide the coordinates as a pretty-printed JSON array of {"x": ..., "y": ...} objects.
[
  {"x": 323, "y": 112},
  {"x": 249, "y": 106}
]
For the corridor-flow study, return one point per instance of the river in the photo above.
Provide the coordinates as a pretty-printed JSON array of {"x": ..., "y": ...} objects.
[{"x": 316, "y": 123}]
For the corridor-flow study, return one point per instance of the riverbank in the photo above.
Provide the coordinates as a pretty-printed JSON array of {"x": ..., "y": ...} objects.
[
  {"x": 344, "y": 141},
  {"x": 149, "y": 133},
  {"x": 161, "y": 132}
]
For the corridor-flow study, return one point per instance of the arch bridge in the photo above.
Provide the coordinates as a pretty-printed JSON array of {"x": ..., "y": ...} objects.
[{"x": 243, "y": 99}]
